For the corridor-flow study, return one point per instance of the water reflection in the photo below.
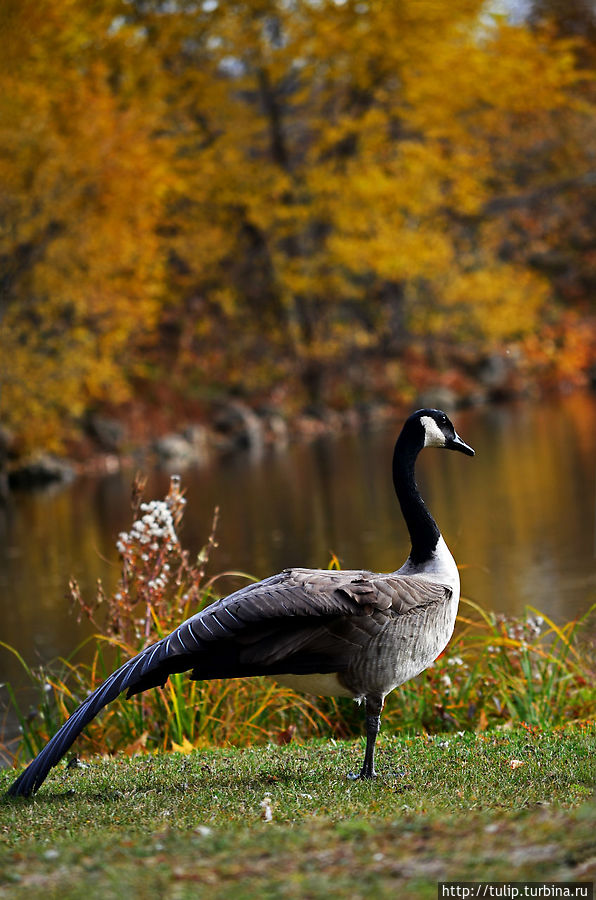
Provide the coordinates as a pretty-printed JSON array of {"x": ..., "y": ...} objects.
[{"x": 519, "y": 518}]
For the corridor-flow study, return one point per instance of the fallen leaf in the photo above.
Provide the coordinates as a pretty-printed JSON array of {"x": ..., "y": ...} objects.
[
  {"x": 515, "y": 763},
  {"x": 286, "y": 736},
  {"x": 137, "y": 746},
  {"x": 185, "y": 747}
]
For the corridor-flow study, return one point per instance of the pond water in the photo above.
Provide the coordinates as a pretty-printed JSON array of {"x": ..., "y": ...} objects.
[{"x": 519, "y": 519}]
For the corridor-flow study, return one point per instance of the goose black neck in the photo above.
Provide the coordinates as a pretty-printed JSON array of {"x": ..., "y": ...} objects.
[{"x": 423, "y": 529}]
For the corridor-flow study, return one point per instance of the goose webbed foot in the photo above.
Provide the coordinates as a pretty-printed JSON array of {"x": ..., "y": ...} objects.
[{"x": 364, "y": 774}]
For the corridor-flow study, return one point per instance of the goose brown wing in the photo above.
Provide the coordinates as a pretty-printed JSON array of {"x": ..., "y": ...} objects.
[
  {"x": 257, "y": 627},
  {"x": 310, "y": 594},
  {"x": 351, "y": 609},
  {"x": 412, "y": 591},
  {"x": 302, "y": 621}
]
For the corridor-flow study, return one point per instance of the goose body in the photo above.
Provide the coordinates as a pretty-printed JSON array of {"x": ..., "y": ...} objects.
[{"x": 345, "y": 633}]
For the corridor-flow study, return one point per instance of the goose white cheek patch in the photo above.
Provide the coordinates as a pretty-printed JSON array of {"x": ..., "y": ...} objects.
[{"x": 433, "y": 436}]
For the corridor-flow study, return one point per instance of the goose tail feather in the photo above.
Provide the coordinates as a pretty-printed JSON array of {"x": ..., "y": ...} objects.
[{"x": 124, "y": 677}]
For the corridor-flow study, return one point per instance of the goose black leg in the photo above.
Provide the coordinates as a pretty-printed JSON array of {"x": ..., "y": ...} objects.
[{"x": 374, "y": 706}]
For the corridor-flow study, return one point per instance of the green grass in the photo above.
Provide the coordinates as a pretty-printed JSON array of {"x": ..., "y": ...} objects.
[{"x": 176, "y": 826}]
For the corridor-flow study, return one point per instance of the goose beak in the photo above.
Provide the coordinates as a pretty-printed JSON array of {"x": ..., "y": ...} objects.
[{"x": 456, "y": 443}]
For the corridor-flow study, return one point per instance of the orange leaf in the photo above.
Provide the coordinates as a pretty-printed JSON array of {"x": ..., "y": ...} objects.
[{"x": 137, "y": 746}]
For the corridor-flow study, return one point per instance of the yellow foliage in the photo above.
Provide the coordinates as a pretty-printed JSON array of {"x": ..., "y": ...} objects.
[
  {"x": 494, "y": 303},
  {"x": 83, "y": 186},
  {"x": 254, "y": 172},
  {"x": 185, "y": 747}
]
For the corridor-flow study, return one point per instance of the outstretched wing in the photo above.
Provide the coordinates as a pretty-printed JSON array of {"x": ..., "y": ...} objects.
[{"x": 300, "y": 621}]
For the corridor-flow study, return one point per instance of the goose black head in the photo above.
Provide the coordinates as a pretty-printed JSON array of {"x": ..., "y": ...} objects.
[{"x": 436, "y": 430}]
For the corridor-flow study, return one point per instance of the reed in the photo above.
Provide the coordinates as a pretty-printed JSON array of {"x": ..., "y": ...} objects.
[{"x": 497, "y": 671}]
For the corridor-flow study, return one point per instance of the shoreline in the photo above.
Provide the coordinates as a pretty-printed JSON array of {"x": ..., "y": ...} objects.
[{"x": 108, "y": 446}]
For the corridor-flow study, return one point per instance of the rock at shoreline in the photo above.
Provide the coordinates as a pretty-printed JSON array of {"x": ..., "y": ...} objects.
[
  {"x": 40, "y": 470},
  {"x": 109, "y": 434},
  {"x": 190, "y": 448},
  {"x": 238, "y": 427}
]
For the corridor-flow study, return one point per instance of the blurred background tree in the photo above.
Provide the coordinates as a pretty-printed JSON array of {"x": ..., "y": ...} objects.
[{"x": 283, "y": 199}]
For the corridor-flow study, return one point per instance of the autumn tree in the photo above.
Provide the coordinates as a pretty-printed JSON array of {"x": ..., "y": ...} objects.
[
  {"x": 255, "y": 195},
  {"x": 344, "y": 171},
  {"x": 83, "y": 173}
]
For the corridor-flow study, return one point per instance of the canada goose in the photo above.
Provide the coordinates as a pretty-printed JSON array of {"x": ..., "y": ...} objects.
[{"x": 344, "y": 633}]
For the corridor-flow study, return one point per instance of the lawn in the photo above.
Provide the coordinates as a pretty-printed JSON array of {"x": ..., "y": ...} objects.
[{"x": 285, "y": 821}]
